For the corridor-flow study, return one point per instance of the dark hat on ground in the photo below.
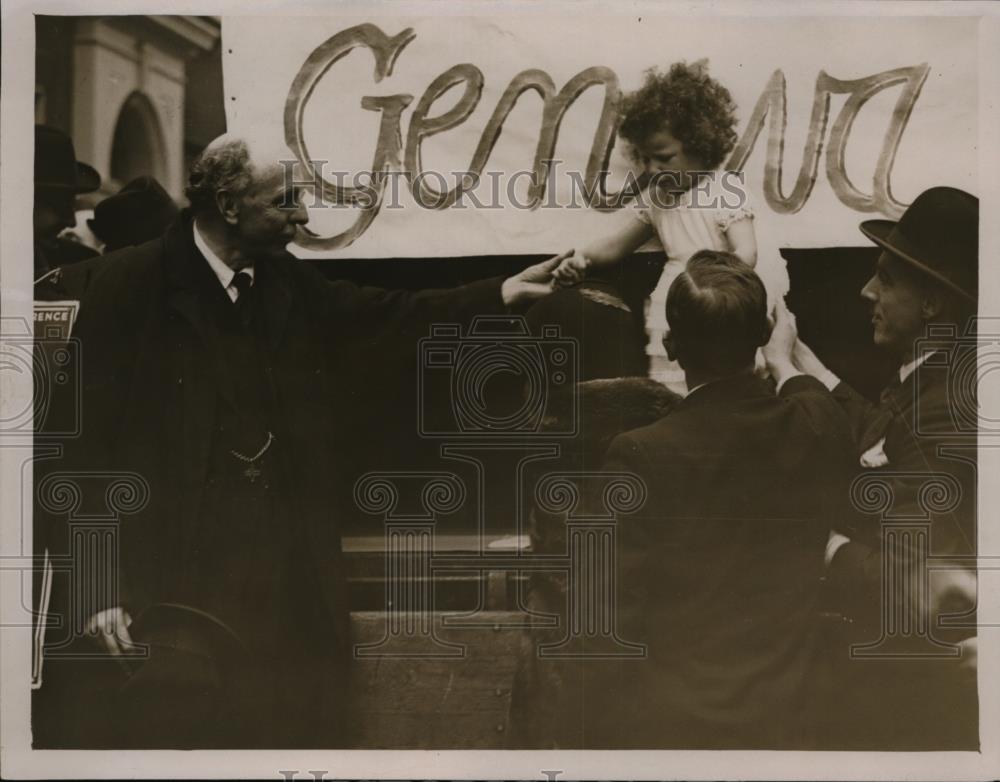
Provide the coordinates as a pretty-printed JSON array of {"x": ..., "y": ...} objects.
[
  {"x": 939, "y": 235},
  {"x": 175, "y": 695},
  {"x": 56, "y": 166},
  {"x": 187, "y": 648},
  {"x": 140, "y": 211}
]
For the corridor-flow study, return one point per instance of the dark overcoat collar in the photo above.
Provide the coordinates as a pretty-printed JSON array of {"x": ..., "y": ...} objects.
[
  {"x": 191, "y": 283},
  {"x": 742, "y": 386}
]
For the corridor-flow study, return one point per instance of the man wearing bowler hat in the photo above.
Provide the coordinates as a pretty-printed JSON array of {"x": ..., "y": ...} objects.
[
  {"x": 912, "y": 676},
  {"x": 59, "y": 178}
]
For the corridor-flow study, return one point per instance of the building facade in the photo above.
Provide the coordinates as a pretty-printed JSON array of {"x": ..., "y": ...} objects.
[{"x": 138, "y": 94}]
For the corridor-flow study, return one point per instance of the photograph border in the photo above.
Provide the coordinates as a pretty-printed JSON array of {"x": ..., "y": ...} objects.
[{"x": 18, "y": 760}]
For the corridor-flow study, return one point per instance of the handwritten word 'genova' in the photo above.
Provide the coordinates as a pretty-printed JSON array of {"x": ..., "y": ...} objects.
[{"x": 391, "y": 155}]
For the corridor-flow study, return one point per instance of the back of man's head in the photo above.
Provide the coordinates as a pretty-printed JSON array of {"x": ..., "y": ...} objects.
[
  {"x": 717, "y": 313},
  {"x": 223, "y": 165}
]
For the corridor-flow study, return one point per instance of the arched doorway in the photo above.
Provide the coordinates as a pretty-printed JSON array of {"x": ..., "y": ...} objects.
[{"x": 137, "y": 147}]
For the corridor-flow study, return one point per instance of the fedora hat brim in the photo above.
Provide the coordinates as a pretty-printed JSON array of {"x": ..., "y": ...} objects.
[
  {"x": 181, "y": 631},
  {"x": 87, "y": 180},
  {"x": 880, "y": 232}
]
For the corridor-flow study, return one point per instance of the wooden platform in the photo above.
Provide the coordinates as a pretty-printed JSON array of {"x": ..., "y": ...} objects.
[{"x": 454, "y": 693}]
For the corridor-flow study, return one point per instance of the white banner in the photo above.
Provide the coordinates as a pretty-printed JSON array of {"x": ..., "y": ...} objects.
[{"x": 839, "y": 120}]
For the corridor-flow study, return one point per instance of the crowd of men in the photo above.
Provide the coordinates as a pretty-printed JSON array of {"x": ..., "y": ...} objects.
[{"x": 219, "y": 368}]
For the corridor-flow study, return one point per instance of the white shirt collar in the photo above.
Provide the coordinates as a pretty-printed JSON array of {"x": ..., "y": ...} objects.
[
  {"x": 908, "y": 369},
  {"x": 222, "y": 271}
]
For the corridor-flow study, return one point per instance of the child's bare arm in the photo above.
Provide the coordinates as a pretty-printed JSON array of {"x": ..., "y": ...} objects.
[
  {"x": 605, "y": 251},
  {"x": 743, "y": 241},
  {"x": 613, "y": 248}
]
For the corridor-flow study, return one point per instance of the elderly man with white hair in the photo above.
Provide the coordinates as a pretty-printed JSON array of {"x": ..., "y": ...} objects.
[{"x": 218, "y": 367}]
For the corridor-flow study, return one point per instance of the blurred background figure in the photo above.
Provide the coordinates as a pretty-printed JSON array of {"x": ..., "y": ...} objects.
[
  {"x": 82, "y": 234},
  {"x": 59, "y": 178},
  {"x": 140, "y": 211}
]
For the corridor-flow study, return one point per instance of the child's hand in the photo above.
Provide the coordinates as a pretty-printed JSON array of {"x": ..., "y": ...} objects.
[{"x": 571, "y": 271}]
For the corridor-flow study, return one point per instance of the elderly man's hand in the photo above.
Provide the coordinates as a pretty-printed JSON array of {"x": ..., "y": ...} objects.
[
  {"x": 532, "y": 283},
  {"x": 778, "y": 350},
  {"x": 571, "y": 271},
  {"x": 110, "y": 629}
]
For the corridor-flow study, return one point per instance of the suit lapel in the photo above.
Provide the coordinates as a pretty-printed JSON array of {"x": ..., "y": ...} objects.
[
  {"x": 273, "y": 301},
  {"x": 894, "y": 410},
  {"x": 193, "y": 291},
  {"x": 898, "y": 403}
]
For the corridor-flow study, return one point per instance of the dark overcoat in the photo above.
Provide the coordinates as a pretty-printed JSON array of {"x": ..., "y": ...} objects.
[
  {"x": 914, "y": 513},
  {"x": 718, "y": 574},
  {"x": 152, "y": 379}
]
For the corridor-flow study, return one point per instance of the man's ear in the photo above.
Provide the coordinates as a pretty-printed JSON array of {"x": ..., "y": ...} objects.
[
  {"x": 670, "y": 345},
  {"x": 932, "y": 305},
  {"x": 228, "y": 206}
]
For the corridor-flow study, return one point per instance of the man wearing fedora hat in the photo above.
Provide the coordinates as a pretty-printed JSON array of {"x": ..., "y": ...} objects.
[
  {"x": 59, "y": 178},
  {"x": 924, "y": 295}
]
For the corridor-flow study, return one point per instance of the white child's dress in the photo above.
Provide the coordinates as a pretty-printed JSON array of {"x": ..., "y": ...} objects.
[{"x": 698, "y": 221}]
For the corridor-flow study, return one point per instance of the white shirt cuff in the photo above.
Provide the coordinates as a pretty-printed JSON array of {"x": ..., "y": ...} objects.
[
  {"x": 785, "y": 379},
  {"x": 828, "y": 379}
]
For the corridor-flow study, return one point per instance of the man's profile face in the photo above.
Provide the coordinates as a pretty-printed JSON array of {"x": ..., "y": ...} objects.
[
  {"x": 270, "y": 213},
  {"x": 897, "y": 304},
  {"x": 53, "y": 212}
]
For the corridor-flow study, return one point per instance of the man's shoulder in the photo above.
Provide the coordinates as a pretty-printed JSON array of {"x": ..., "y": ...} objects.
[
  {"x": 734, "y": 415},
  {"x": 805, "y": 384},
  {"x": 690, "y": 437},
  {"x": 935, "y": 383},
  {"x": 130, "y": 262},
  {"x": 307, "y": 277},
  {"x": 667, "y": 433},
  {"x": 938, "y": 402},
  {"x": 124, "y": 277}
]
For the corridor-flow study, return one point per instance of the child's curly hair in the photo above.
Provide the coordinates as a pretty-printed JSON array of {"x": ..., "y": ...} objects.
[{"x": 697, "y": 110}]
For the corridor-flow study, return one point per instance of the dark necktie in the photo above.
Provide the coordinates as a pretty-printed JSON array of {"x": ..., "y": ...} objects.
[
  {"x": 242, "y": 282},
  {"x": 887, "y": 409}
]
